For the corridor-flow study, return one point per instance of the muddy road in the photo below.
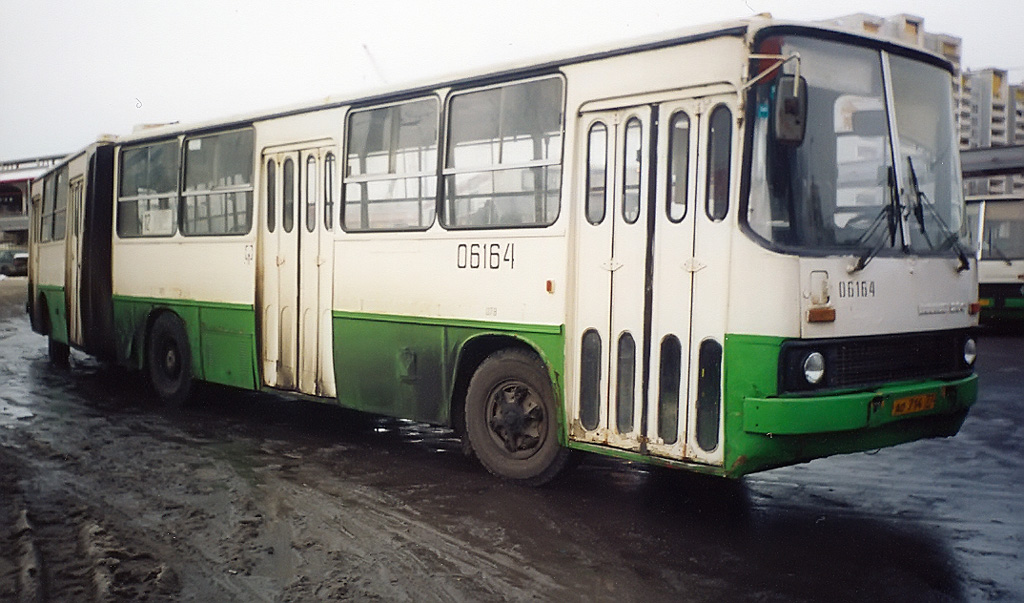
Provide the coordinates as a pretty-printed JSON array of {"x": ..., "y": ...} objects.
[{"x": 251, "y": 497}]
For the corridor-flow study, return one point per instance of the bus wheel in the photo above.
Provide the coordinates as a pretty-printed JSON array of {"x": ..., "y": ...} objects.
[
  {"x": 511, "y": 420},
  {"x": 170, "y": 361},
  {"x": 58, "y": 352}
]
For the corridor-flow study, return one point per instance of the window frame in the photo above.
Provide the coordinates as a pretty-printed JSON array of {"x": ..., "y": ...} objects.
[
  {"x": 270, "y": 181},
  {"x": 712, "y": 207},
  {"x": 60, "y": 209},
  {"x": 330, "y": 165},
  {"x": 555, "y": 162},
  {"x": 592, "y": 130},
  {"x": 173, "y": 195},
  {"x": 390, "y": 176},
  {"x": 233, "y": 189},
  {"x": 310, "y": 191},
  {"x": 632, "y": 173},
  {"x": 49, "y": 202},
  {"x": 673, "y": 161}
]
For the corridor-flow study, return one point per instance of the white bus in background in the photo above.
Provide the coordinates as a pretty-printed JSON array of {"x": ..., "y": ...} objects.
[
  {"x": 724, "y": 250},
  {"x": 997, "y": 221}
]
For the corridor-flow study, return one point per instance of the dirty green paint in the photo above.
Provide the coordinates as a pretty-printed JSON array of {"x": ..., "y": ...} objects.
[
  {"x": 763, "y": 430},
  {"x": 56, "y": 307},
  {"x": 406, "y": 366},
  {"x": 222, "y": 337}
]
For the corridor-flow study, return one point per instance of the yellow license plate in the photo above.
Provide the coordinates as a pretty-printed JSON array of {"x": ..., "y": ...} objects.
[{"x": 912, "y": 404}]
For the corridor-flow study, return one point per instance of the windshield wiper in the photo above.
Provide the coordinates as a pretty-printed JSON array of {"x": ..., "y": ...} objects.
[
  {"x": 887, "y": 216},
  {"x": 920, "y": 202}
]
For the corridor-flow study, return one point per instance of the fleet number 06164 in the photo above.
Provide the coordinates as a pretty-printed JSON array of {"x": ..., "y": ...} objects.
[{"x": 486, "y": 256}]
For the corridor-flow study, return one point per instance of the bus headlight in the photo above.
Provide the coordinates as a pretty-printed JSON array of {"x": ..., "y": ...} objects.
[
  {"x": 814, "y": 367},
  {"x": 970, "y": 351}
]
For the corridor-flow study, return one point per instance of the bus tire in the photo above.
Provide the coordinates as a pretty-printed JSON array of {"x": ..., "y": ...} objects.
[
  {"x": 511, "y": 418},
  {"x": 58, "y": 352},
  {"x": 169, "y": 360}
]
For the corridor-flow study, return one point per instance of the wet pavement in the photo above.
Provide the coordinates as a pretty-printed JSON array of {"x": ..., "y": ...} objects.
[{"x": 254, "y": 497}]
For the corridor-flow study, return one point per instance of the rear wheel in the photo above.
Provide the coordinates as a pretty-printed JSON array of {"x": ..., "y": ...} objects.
[
  {"x": 169, "y": 359},
  {"x": 511, "y": 418}
]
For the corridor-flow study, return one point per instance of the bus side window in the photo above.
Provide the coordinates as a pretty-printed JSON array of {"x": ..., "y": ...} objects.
[
  {"x": 597, "y": 172},
  {"x": 49, "y": 201},
  {"x": 288, "y": 203},
  {"x": 719, "y": 150},
  {"x": 271, "y": 200},
  {"x": 329, "y": 191},
  {"x": 390, "y": 178},
  {"x": 678, "y": 166},
  {"x": 60, "y": 210},
  {"x": 590, "y": 380},
  {"x": 310, "y": 193},
  {"x": 502, "y": 164},
  {"x": 632, "y": 165}
]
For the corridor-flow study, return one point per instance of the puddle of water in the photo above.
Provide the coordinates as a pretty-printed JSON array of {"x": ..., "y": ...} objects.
[{"x": 9, "y": 413}]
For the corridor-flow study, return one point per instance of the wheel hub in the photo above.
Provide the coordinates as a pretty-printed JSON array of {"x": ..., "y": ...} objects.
[
  {"x": 516, "y": 419},
  {"x": 171, "y": 361}
]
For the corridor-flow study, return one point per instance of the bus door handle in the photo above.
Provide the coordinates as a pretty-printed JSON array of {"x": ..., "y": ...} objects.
[
  {"x": 611, "y": 265},
  {"x": 280, "y": 260}
]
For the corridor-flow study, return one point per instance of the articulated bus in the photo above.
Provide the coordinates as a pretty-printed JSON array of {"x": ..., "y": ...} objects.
[
  {"x": 998, "y": 223},
  {"x": 724, "y": 250}
]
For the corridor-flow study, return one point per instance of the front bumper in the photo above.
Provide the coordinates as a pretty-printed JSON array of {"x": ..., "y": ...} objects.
[{"x": 859, "y": 410}]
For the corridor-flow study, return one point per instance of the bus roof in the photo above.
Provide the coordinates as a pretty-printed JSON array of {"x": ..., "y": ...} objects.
[{"x": 740, "y": 28}]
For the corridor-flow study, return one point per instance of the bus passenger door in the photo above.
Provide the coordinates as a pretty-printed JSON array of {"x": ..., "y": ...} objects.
[
  {"x": 316, "y": 256},
  {"x": 637, "y": 257},
  {"x": 278, "y": 263},
  {"x": 73, "y": 263},
  {"x": 716, "y": 174},
  {"x": 672, "y": 270},
  {"x": 296, "y": 271},
  {"x": 611, "y": 274}
]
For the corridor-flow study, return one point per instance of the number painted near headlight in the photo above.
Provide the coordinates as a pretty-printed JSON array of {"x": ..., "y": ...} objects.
[{"x": 849, "y": 289}]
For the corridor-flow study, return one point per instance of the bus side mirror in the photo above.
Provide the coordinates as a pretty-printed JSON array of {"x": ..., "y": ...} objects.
[{"x": 790, "y": 119}]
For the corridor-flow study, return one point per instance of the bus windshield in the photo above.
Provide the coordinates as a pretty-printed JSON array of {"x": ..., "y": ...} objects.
[
  {"x": 1002, "y": 235},
  {"x": 877, "y": 166}
]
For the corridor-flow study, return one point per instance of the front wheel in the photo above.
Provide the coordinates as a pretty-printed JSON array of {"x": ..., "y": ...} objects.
[
  {"x": 170, "y": 361},
  {"x": 511, "y": 418}
]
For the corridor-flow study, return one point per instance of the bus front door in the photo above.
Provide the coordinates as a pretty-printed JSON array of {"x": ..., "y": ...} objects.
[
  {"x": 296, "y": 260},
  {"x": 641, "y": 200}
]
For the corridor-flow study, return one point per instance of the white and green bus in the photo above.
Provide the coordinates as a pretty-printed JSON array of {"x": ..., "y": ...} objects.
[
  {"x": 724, "y": 250},
  {"x": 997, "y": 221}
]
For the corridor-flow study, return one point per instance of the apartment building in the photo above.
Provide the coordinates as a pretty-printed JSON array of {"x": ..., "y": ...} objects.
[
  {"x": 15, "y": 178},
  {"x": 989, "y": 110}
]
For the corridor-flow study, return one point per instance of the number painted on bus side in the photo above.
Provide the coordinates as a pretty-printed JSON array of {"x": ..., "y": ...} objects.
[{"x": 485, "y": 256}]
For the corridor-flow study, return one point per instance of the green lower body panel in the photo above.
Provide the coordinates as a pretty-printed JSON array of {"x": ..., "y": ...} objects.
[
  {"x": 222, "y": 336},
  {"x": 408, "y": 367},
  {"x": 1002, "y": 310},
  {"x": 764, "y": 431},
  {"x": 56, "y": 309},
  {"x": 1004, "y": 314}
]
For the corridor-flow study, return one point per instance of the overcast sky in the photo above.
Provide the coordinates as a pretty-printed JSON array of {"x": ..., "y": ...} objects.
[{"x": 72, "y": 70}]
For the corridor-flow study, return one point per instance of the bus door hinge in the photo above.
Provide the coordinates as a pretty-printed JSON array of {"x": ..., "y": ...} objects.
[
  {"x": 611, "y": 265},
  {"x": 693, "y": 265}
]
